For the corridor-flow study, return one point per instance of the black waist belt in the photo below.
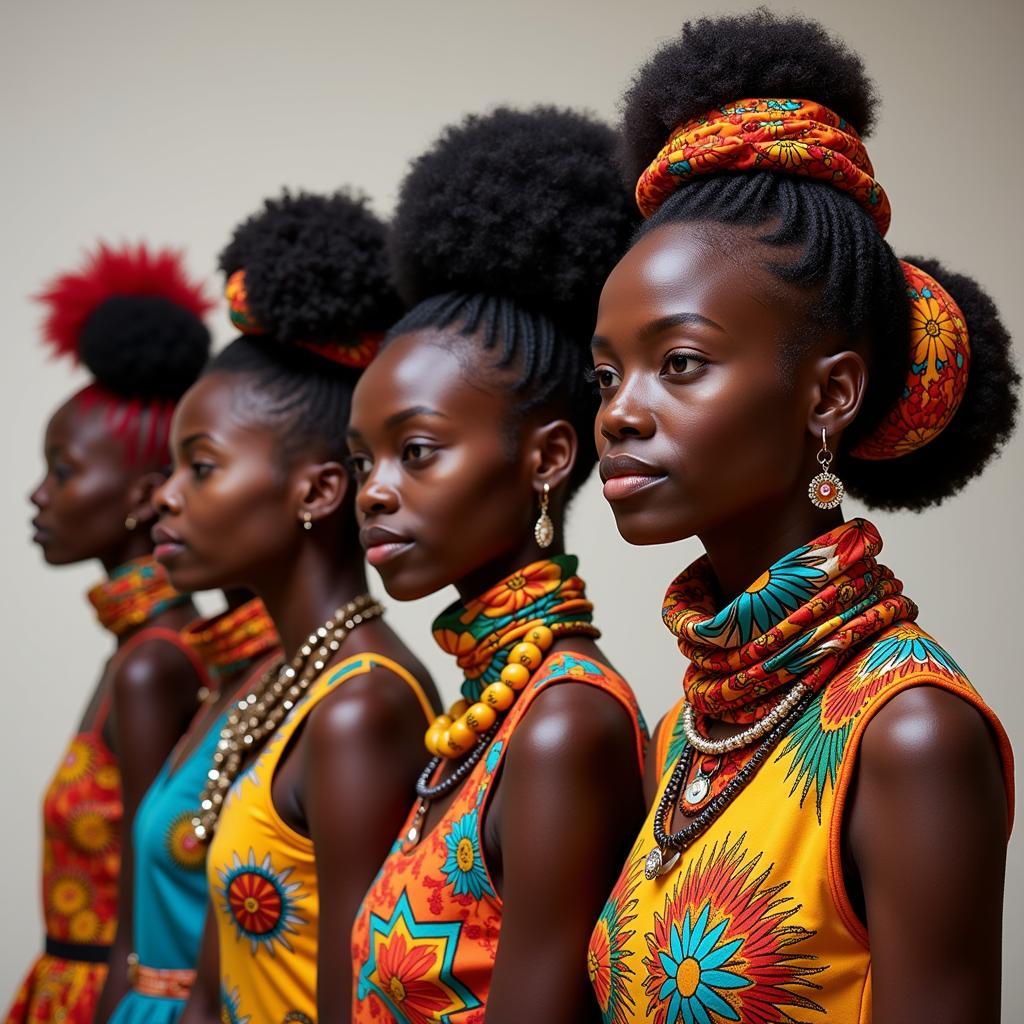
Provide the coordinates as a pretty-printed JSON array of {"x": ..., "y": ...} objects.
[{"x": 76, "y": 951}]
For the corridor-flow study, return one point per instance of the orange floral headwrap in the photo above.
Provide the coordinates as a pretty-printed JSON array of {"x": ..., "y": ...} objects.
[
  {"x": 807, "y": 139},
  {"x": 357, "y": 355}
]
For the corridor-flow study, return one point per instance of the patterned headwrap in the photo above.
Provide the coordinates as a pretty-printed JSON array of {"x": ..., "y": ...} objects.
[
  {"x": 800, "y": 137},
  {"x": 357, "y": 355}
]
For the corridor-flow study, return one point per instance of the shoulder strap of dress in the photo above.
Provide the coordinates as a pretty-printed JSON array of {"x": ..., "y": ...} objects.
[{"x": 409, "y": 679}]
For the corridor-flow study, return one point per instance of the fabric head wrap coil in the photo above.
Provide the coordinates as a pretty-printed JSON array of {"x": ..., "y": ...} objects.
[
  {"x": 356, "y": 356},
  {"x": 799, "y": 137}
]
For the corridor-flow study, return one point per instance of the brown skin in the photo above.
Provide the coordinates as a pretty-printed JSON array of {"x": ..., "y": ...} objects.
[
  {"x": 728, "y": 431},
  {"x": 231, "y": 516},
  {"x": 83, "y": 502},
  {"x": 441, "y": 471}
]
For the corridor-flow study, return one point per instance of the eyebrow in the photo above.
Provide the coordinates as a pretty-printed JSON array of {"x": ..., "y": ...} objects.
[
  {"x": 395, "y": 419},
  {"x": 663, "y": 323},
  {"x": 195, "y": 438}
]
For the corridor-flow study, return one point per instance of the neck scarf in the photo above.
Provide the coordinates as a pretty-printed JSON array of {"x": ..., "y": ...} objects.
[
  {"x": 800, "y": 620},
  {"x": 482, "y": 632},
  {"x": 234, "y": 641},
  {"x": 135, "y": 593}
]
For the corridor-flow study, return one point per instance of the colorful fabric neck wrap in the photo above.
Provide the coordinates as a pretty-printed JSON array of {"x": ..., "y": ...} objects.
[
  {"x": 356, "y": 355},
  {"x": 233, "y": 642},
  {"x": 799, "y": 621},
  {"x": 806, "y": 139},
  {"x": 482, "y": 632},
  {"x": 135, "y": 593}
]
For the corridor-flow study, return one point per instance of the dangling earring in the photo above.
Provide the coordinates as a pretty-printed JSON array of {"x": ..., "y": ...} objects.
[
  {"x": 130, "y": 522},
  {"x": 307, "y": 520},
  {"x": 826, "y": 489},
  {"x": 544, "y": 529}
]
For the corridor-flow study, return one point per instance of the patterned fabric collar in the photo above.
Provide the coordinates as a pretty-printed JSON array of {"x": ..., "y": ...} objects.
[
  {"x": 135, "y": 593},
  {"x": 799, "y": 620},
  {"x": 234, "y": 641},
  {"x": 482, "y": 632}
]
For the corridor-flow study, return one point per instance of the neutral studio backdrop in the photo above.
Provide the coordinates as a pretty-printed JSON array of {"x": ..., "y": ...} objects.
[{"x": 171, "y": 122}]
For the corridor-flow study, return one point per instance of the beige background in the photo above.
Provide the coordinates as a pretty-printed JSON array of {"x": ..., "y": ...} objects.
[{"x": 172, "y": 121}]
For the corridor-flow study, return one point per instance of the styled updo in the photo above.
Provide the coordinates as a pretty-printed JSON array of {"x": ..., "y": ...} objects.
[
  {"x": 133, "y": 318},
  {"x": 316, "y": 293},
  {"x": 852, "y": 280},
  {"x": 506, "y": 229}
]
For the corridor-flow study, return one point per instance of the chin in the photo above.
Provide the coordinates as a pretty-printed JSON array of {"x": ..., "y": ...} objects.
[
  {"x": 189, "y": 580},
  {"x": 645, "y": 529},
  {"x": 406, "y": 585}
]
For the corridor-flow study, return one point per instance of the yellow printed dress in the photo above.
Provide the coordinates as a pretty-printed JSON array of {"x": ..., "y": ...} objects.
[
  {"x": 262, "y": 879},
  {"x": 753, "y": 922}
]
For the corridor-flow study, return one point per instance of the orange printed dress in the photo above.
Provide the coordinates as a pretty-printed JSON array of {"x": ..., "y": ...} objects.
[
  {"x": 262, "y": 878},
  {"x": 753, "y": 922},
  {"x": 426, "y": 936}
]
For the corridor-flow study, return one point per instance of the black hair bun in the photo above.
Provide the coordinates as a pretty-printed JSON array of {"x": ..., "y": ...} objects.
[
  {"x": 316, "y": 267},
  {"x": 981, "y": 425},
  {"x": 716, "y": 61},
  {"x": 521, "y": 205},
  {"x": 144, "y": 346}
]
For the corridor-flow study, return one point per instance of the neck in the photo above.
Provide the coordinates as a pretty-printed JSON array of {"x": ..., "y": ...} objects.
[
  {"x": 309, "y": 591},
  {"x": 742, "y": 549},
  {"x": 482, "y": 579},
  {"x": 137, "y": 544}
]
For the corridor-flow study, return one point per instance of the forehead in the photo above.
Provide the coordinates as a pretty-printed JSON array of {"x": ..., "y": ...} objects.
[
  {"x": 436, "y": 369},
  {"x": 717, "y": 271},
  {"x": 85, "y": 429},
  {"x": 225, "y": 406}
]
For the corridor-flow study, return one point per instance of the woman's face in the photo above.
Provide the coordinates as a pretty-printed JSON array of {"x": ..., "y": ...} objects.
[
  {"x": 703, "y": 421},
  {"x": 444, "y": 487},
  {"x": 88, "y": 490},
  {"x": 228, "y": 513}
]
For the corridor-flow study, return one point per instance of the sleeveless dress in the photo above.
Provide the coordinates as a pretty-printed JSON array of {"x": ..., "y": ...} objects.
[
  {"x": 261, "y": 878},
  {"x": 81, "y": 861},
  {"x": 427, "y": 933},
  {"x": 753, "y": 922}
]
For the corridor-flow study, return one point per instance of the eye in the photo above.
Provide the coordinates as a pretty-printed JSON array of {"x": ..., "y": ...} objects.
[
  {"x": 61, "y": 472},
  {"x": 201, "y": 470},
  {"x": 682, "y": 364},
  {"x": 359, "y": 466},
  {"x": 417, "y": 451},
  {"x": 604, "y": 377}
]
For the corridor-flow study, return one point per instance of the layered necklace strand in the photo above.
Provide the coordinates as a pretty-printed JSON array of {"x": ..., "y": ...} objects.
[{"x": 265, "y": 707}]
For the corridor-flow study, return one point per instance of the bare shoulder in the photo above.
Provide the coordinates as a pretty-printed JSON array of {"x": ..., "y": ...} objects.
[{"x": 153, "y": 666}]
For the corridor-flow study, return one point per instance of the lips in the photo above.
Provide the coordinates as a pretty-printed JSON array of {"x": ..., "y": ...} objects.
[
  {"x": 167, "y": 544},
  {"x": 41, "y": 535},
  {"x": 625, "y": 475},
  {"x": 382, "y": 545}
]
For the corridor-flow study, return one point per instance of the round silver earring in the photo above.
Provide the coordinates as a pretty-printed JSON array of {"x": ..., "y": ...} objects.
[
  {"x": 307, "y": 520},
  {"x": 130, "y": 522}
]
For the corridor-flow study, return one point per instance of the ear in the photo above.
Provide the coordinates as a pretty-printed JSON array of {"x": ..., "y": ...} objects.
[
  {"x": 320, "y": 490},
  {"x": 840, "y": 381},
  {"x": 552, "y": 450},
  {"x": 141, "y": 494}
]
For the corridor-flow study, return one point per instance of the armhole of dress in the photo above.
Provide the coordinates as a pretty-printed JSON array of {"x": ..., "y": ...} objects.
[
  {"x": 836, "y": 883},
  {"x": 409, "y": 679}
]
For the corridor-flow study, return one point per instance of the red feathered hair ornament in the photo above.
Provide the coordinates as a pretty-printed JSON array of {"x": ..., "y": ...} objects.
[{"x": 108, "y": 272}]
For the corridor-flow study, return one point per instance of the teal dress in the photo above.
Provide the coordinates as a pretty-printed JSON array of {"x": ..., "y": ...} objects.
[{"x": 170, "y": 879}]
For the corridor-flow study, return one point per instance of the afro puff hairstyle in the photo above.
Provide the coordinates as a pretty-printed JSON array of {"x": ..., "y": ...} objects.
[
  {"x": 133, "y": 318},
  {"x": 507, "y": 227},
  {"x": 316, "y": 270},
  {"x": 852, "y": 280},
  {"x": 315, "y": 267}
]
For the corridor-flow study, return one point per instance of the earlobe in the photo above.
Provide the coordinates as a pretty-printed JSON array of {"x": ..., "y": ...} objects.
[
  {"x": 322, "y": 490},
  {"x": 142, "y": 508},
  {"x": 841, "y": 381}
]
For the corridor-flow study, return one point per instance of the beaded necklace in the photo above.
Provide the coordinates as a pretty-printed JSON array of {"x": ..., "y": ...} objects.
[
  {"x": 257, "y": 714},
  {"x": 233, "y": 642},
  {"x": 500, "y": 640},
  {"x": 136, "y": 592}
]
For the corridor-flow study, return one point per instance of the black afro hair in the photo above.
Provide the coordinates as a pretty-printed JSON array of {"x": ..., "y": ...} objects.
[
  {"x": 316, "y": 268},
  {"x": 144, "y": 346},
  {"x": 982, "y": 423},
  {"x": 716, "y": 61},
  {"x": 521, "y": 205}
]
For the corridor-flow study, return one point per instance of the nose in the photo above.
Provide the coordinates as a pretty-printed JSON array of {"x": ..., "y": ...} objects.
[
  {"x": 167, "y": 497},
  {"x": 377, "y": 496},
  {"x": 40, "y": 497},
  {"x": 626, "y": 414}
]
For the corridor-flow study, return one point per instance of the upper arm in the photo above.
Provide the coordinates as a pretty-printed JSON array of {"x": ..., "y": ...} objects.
[
  {"x": 362, "y": 751},
  {"x": 927, "y": 831},
  {"x": 203, "y": 1006},
  {"x": 652, "y": 765},
  {"x": 571, "y": 803}
]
